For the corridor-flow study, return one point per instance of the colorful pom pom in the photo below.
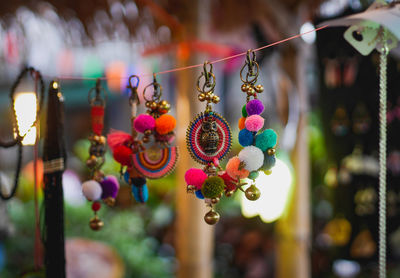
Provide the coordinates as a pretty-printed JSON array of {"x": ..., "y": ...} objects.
[
  {"x": 269, "y": 162},
  {"x": 199, "y": 194},
  {"x": 123, "y": 155},
  {"x": 232, "y": 168},
  {"x": 117, "y": 138},
  {"x": 244, "y": 112},
  {"x": 241, "y": 122},
  {"x": 254, "y": 107},
  {"x": 229, "y": 182},
  {"x": 266, "y": 140},
  {"x": 246, "y": 137},
  {"x": 165, "y": 124},
  {"x": 91, "y": 189},
  {"x": 195, "y": 177},
  {"x": 253, "y": 158},
  {"x": 140, "y": 193},
  {"x": 110, "y": 187},
  {"x": 96, "y": 206},
  {"x": 212, "y": 187},
  {"x": 254, "y": 123},
  {"x": 144, "y": 122},
  {"x": 253, "y": 175}
]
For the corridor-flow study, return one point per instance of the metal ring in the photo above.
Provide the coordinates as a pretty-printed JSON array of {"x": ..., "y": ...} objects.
[
  {"x": 134, "y": 95},
  {"x": 250, "y": 77},
  {"x": 157, "y": 91},
  {"x": 209, "y": 77}
]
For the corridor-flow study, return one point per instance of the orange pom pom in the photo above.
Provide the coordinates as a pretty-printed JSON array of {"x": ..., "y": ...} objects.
[
  {"x": 241, "y": 123},
  {"x": 165, "y": 124}
]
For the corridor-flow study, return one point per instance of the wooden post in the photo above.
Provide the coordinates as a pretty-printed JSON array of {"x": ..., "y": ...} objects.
[{"x": 194, "y": 238}]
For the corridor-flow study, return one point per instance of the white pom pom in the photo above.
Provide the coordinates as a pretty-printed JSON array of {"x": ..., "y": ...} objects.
[
  {"x": 92, "y": 190},
  {"x": 253, "y": 157}
]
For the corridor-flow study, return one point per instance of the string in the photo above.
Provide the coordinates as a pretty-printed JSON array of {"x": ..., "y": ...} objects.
[{"x": 65, "y": 77}]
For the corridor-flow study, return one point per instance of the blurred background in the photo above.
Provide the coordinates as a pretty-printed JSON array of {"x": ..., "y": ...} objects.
[{"x": 317, "y": 216}]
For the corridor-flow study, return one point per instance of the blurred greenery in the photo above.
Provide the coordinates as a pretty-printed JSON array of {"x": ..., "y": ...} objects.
[{"x": 124, "y": 230}]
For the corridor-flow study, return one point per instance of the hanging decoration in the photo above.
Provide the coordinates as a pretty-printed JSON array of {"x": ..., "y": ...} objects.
[
  {"x": 157, "y": 130},
  {"x": 99, "y": 186},
  {"x": 208, "y": 140}
]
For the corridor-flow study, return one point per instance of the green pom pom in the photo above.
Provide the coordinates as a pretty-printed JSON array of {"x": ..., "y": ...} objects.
[
  {"x": 266, "y": 140},
  {"x": 253, "y": 175},
  {"x": 212, "y": 187},
  {"x": 244, "y": 111}
]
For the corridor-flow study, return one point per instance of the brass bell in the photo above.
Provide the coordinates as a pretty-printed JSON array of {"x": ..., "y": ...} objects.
[
  {"x": 153, "y": 105},
  {"x": 251, "y": 91},
  {"x": 271, "y": 151},
  {"x": 259, "y": 88},
  {"x": 163, "y": 107},
  {"x": 95, "y": 223},
  {"x": 110, "y": 201},
  {"x": 211, "y": 217},
  {"x": 252, "y": 193},
  {"x": 245, "y": 87},
  {"x": 215, "y": 99},
  {"x": 202, "y": 97}
]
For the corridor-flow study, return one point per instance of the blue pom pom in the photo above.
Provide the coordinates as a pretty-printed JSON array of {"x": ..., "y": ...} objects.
[
  {"x": 266, "y": 140},
  {"x": 246, "y": 137},
  {"x": 141, "y": 193},
  {"x": 126, "y": 177},
  {"x": 199, "y": 194},
  {"x": 269, "y": 162}
]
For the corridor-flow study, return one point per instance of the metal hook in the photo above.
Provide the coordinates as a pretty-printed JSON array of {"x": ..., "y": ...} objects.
[
  {"x": 209, "y": 77},
  {"x": 206, "y": 73},
  {"x": 97, "y": 97},
  {"x": 134, "y": 95}
]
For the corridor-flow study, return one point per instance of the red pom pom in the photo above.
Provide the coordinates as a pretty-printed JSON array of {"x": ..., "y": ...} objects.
[
  {"x": 96, "y": 206},
  {"x": 229, "y": 182},
  {"x": 123, "y": 155},
  {"x": 165, "y": 124}
]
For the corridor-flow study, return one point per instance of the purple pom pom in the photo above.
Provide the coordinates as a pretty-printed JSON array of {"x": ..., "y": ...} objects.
[
  {"x": 144, "y": 122},
  {"x": 254, "y": 107},
  {"x": 110, "y": 187}
]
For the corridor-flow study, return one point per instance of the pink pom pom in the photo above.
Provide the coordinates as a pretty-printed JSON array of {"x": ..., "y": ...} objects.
[
  {"x": 195, "y": 177},
  {"x": 117, "y": 138},
  {"x": 144, "y": 122},
  {"x": 235, "y": 169},
  {"x": 254, "y": 123}
]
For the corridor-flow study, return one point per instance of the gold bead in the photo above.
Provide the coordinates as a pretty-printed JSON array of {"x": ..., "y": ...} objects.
[
  {"x": 251, "y": 91},
  {"x": 91, "y": 162},
  {"x": 252, "y": 193},
  {"x": 209, "y": 96},
  {"x": 148, "y": 103},
  {"x": 211, "y": 217},
  {"x": 145, "y": 139},
  {"x": 96, "y": 224},
  {"x": 191, "y": 189},
  {"x": 102, "y": 140},
  {"x": 202, "y": 97},
  {"x": 153, "y": 105},
  {"x": 163, "y": 107},
  {"x": 147, "y": 132},
  {"x": 268, "y": 172},
  {"x": 271, "y": 151},
  {"x": 259, "y": 88},
  {"x": 110, "y": 201},
  {"x": 215, "y": 99},
  {"x": 215, "y": 200},
  {"x": 245, "y": 87}
]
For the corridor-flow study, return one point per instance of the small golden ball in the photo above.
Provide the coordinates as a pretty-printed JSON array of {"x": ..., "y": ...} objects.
[
  {"x": 245, "y": 87},
  {"x": 215, "y": 99},
  {"x": 259, "y": 88},
  {"x": 91, "y": 162},
  {"x": 215, "y": 200},
  {"x": 252, "y": 193},
  {"x": 96, "y": 224},
  {"x": 211, "y": 217},
  {"x": 102, "y": 140},
  {"x": 251, "y": 91},
  {"x": 202, "y": 97},
  {"x": 146, "y": 139},
  {"x": 229, "y": 193},
  {"x": 268, "y": 172},
  {"x": 147, "y": 132},
  {"x": 271, "y": 151},
  {"x": 153, "y": 105}
]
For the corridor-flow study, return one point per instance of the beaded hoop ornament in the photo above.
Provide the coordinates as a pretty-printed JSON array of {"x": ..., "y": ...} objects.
[
  {"x": 208, "y": 140},
  {"x": 258, "y": 153},
  {"x": 99, "y": 186}
]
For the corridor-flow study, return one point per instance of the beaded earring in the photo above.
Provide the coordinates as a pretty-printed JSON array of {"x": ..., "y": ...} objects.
[
  {"x": 99, "y": 186},
  {"x": 258, "y": 153},
  {"x": 208, "y": 140},
  {"x": 130, "y": 151}
]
